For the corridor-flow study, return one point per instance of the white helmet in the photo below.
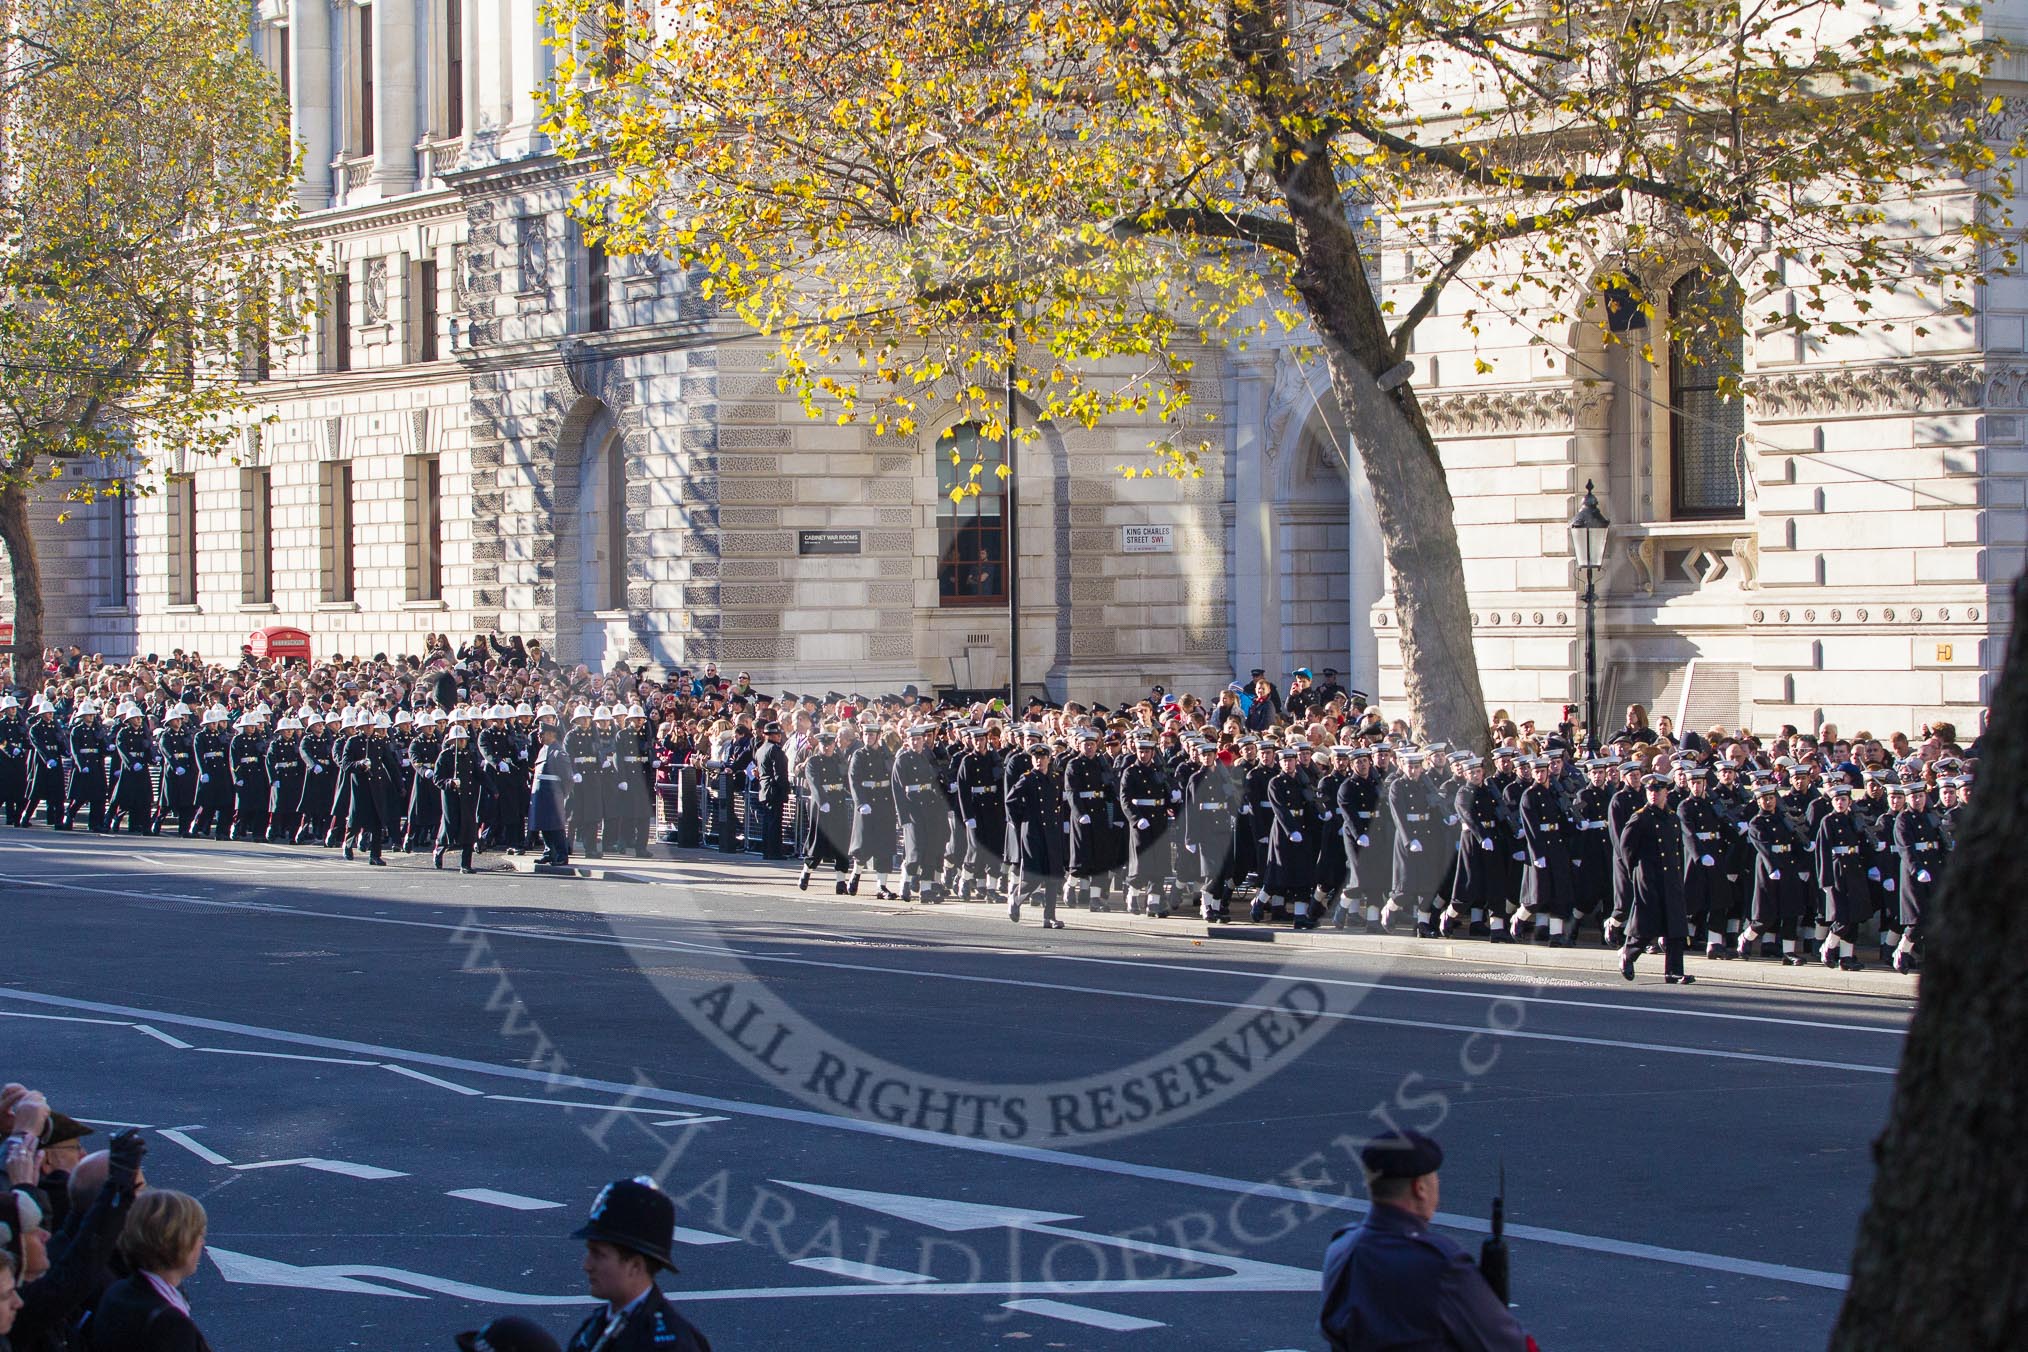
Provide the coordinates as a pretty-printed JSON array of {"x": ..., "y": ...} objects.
[
  {"x": 404, "y": 719},
  {"x": 546, "y": 711},
  {"x": 636, "y": 711},
  {"x": 42, "y": 705},
  {"x": 602, "y": 714},
  {"x": 176, "y": 711},
  {"x": 216, "y": 714},
  {"x": 247, "y": 720},
  {"x": 581, "y": 711},
  {"x": 289, "y": 723},
  {"x": 87, "y": 707},
  {"x": 9, "y": 702},
  {"x": 458, "y": 734},
  {"x": 382, "y": 721},
  {"x": 349, "y": 717},
  {"x": 524, "y": 710},
  {"x": 500, "y": 711},
  {"x": 130, "y": 710}
]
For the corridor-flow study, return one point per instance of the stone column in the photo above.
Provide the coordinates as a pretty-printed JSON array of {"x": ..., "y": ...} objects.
[
  {"x": 312, "y": 111},
  {"x": 394, "y": 97},
  {"x": 1257, "y": 609}
]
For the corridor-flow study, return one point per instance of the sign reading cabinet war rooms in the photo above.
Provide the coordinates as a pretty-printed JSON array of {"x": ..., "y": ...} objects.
[{"x": 827, "y": 542}]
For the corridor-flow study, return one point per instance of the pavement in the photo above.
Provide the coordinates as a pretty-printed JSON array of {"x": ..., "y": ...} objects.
[{"x": 397, "y": 1090}]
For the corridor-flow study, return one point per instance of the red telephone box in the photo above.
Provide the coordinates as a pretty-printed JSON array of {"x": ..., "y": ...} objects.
[{"x": 281, "y": 642}]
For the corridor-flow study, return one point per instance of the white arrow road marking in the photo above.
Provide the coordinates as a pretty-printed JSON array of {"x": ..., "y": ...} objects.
[
  {"x": 1080, "y": 1314},
  {"x": 951, "y": 1215},
  {"x": 865, "y": 1272},
  {"x": 324, "y": 1166},
  {"x": 160, "y": 1036},
  {"x": 685, "y": 1235},
  {"x": 661, "y": 1111},
  {"x": 179, "y": 1136},
  {"x": 696, "y": 1120},
  {"x": 513, "y": 1201},
  {"x": 250, "y": 1271},
  {"x": 430, "y": 1079}
]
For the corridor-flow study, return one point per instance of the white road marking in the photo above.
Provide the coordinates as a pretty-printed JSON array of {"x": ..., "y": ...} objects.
[
  {"x": 513, "y": 1201},
  {"x": 178, "y": 1043},
  {"x": 63, "y": 1018},
  {"x": 1002, "y": 1149},
  {"x": 430, "y": 1079},
  {"x": 692, "y": 1120},
  {"x": 108, "y": 1122},
  {"x": 370, "y": 1172},
  {"x": 279, "y": 1056},
  {"x": 865, "y": 1272},
  {"x": 180, "y": 1135},
  {"x": 1081, "y": 1314},
  {"x": 701, "y": 1238},
  {"x": 1430, "y": 1025}
]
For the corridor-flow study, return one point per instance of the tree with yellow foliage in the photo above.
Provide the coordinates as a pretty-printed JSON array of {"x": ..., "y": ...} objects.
[
  {"x": 145, "y": 262},
  {"x": 909, "y": 196}
]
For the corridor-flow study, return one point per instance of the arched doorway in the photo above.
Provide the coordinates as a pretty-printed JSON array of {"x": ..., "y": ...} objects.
[{"x": 590, "y": 519}]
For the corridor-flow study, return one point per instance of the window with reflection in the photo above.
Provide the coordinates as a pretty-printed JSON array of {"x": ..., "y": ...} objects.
[
  {"x": 972, "y": 530},
  {"x": 1706, "y": 425}
]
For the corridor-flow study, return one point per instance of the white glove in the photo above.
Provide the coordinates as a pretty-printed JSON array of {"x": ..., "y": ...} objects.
[
  {"x": 1189, "y": 849},
  {"x": 1887, "y": 886},
  {"x": 204, "y": 779},
  {"x": 179, "y": 769},
  {"x": 1451, "y": 820},
  {"x": 866, "y": 810},
  {"x": 577, "y": 779},
  {"x": 1542, "y": 863},
  {"x": 1084, "y": 819},
  {"x": 1874, "y": 874},
  {"x": 1774, "y": 875},
  {"x": 623, "y": 786},
  {"x": 1415, "y": 847},
  {"x": 1141, "y": 824},
  {"x": 1364, "y": 842},
  {"x": 1486, "y": 845},
  {"x": 971, "y": 824},
  {"x": 954, "y": 786},
  {"x": 1922, "y": 875},
  {"x": 1520, "y": 854},
  {"x": 1704, "y": 859},
  {"x": 1296, "y": 837}
]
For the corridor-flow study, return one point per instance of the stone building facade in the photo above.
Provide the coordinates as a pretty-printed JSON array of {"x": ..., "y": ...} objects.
[{"x": 494, "y": 428}]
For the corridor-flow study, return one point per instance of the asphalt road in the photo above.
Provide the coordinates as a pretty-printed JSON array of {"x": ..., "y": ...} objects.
[{"x": 397, "y": 1090}]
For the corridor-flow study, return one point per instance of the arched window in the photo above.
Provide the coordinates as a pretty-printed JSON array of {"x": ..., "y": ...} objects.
[
  {"x": 972, "y": 531},
  {"x": 1706, "y": 459},
  {"x": 602, "y": 519}
]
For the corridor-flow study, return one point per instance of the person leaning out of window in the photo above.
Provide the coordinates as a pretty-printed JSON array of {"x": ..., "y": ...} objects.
[{"x": 163, "y": 1243}]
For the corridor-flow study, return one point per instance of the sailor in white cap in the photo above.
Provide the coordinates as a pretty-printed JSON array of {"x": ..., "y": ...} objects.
[
  {"x": 283, "y": 760},
  {"x": 249, "y": 750},
  {"x": 176, "y": 752},
  {"x": 586, "y": 748},
  {"x": 630, "y": 806},
  {"x": 459, "y": 779},
  {"x": 320, "y": 776},
  {"x": 133, "y": 755},
  {"x": 13, "y": 757},
  {"x": 369, "y": 783},
  {"x": 89, "y": 781},
  {"x": 214, "y": 774},
  {"x": 48, "y": 746}
]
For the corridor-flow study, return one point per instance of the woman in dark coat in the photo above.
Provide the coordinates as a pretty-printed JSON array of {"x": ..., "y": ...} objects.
[{"x": 163, "y": 1243}]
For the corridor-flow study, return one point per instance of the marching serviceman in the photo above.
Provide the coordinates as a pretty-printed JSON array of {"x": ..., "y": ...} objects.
[
  {"x": 627, "y": 1239},
  {"x": 923, "y": 814},
  {"x": 459, "y": 778},
  {"x": 214, "y": 775},
  {"x": 633, "y": 781},
  {"x": 320, "y": 778},
  {"x": 88, "y": 779},
  {"x": 1781, "y": 896},
  {"x": 869, "y": 778},
  {"x": 1085, "y": 783},
  {"x": 248, "y": 751},
  {"x": 1480, "y": 867},
  {"x": 1210, "y": 826},
  {"x": 771, "y": 789},
  {"x": 587, "y": 803},
  {"x": 1548, "y": 882},
  {"x": 176, "y": 747},
  {"x": 1035, "y": 805},
  {"x": 1290, "y": 874},
  {"x": 1147, "y": 796},
  {"x": 829, "y": 834},
  {"x": 1593, "y": 851},
  {"x": 285, "y": 779},
  {"x": 1366, "y": 868},
  {"x": 548, "y": 800},
  {"x": 1652, "y": 849},
  {"x": 1419, "y": 860},
  {"x": 1630, "y": 798},
  {"x": 982, "y": 806},
  {"x": 1919, "y": 845},
  {"x": 1841, "y": 855},
  {"x": 369, "y": 788},
  {"x": 13, "y": 758},
  {"x": 134, "y": 754},
  {"x": 425, "y": 801}
]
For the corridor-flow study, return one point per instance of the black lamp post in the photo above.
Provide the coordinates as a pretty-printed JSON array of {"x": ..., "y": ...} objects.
[{"x": 1588, "y": 543}]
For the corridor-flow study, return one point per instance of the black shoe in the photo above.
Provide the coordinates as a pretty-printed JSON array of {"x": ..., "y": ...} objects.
[
  {"x": 1684, "y": 980},
  {"x": 377, "y": 861},
  {"x": 1627, "y": 956},
  {"x": 348, "y": 853},
  {"x": 840, "y": 888},
  {"x": 853, "y": 886},
  {"x": 437, "y": 857},
  {"x": 803, "y": 881},
  {"x": 1851, "y": 965},
  {"x": 466, "y": 868},
  {"x": 1904, "y": 964}
]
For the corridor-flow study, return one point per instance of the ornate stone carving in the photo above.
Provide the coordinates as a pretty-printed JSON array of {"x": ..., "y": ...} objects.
[
  {"x": 1291, "y": 391},
  {"x": 376, "y": 291},
  {"x": 1529, "y": 408},
  {"x": 1915, "y": 387}
]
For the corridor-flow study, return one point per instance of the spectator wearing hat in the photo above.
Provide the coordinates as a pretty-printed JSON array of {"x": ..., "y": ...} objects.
[
  {"x": 1393, "y": 1282},
  {"x": 627, "y": 1240},
  {"x": 163, "y": 1244}
]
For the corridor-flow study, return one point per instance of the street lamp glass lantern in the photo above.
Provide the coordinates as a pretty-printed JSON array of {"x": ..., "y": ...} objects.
[{"x": 1588, "y": 532}]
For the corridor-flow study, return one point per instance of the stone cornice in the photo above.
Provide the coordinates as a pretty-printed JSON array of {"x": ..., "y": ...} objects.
[
  {"x": 1911, "y": 387},
  {"x": 1512, "y": 409}
]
